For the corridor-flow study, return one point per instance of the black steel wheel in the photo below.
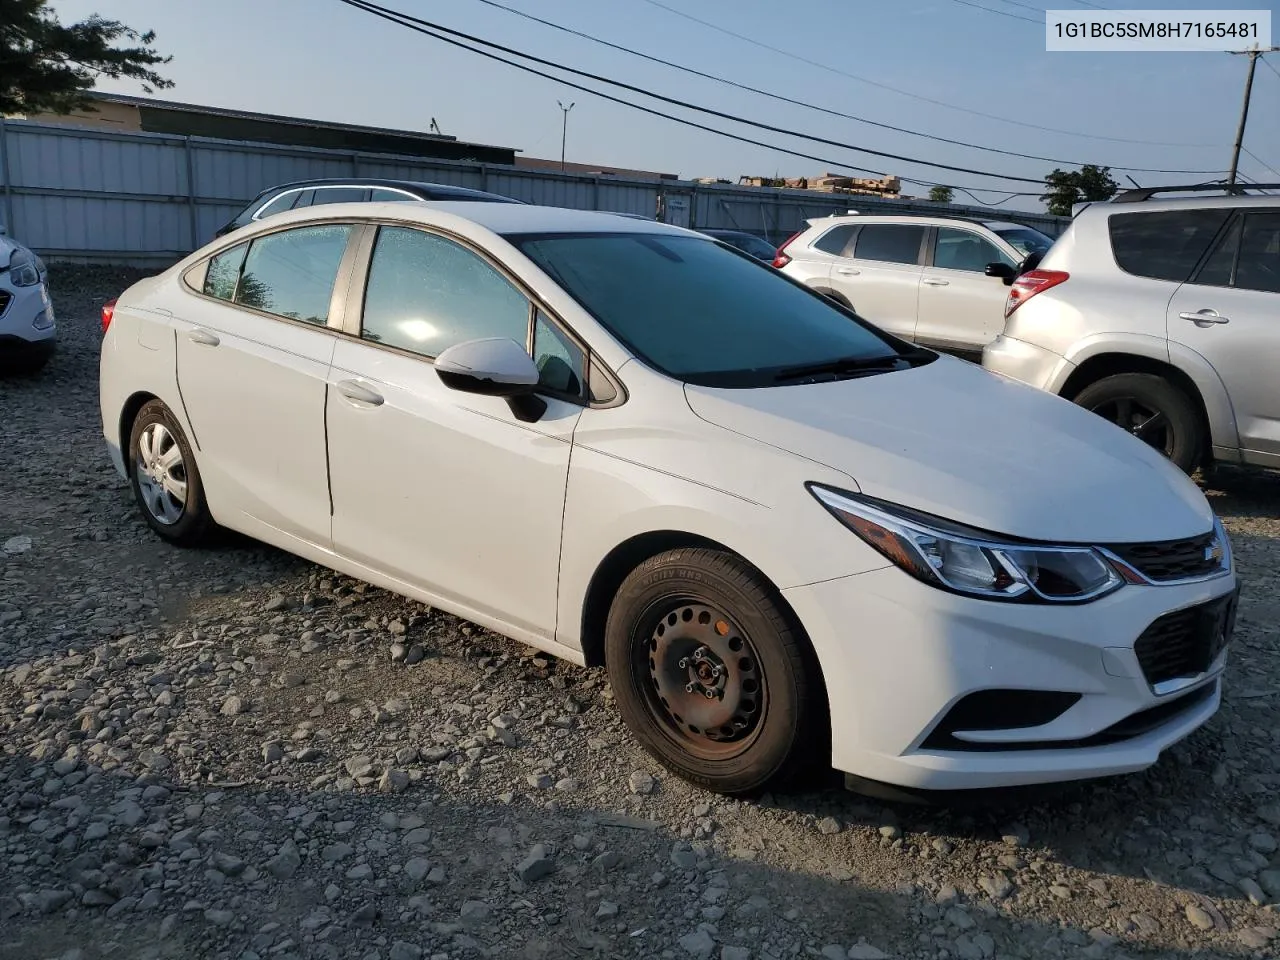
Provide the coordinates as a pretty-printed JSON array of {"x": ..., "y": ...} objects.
[{"x": 711, "y": 674}]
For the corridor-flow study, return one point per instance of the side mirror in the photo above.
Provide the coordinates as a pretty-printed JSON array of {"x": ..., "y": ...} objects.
[
  {"x": 1001, "y": 270},
  {"x": 494, "y": 367}
]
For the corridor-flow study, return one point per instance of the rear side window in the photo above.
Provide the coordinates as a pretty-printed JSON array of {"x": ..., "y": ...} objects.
[
  {"x": 280, "y": 203},
  {"x": 1259, "y": 264},
  {"x": 292, "y": 273},
  {"x": 1164, "y": 245},
  {"x": 383, "y": 195},
  {"x": 224, "y": 273},
  {"x": 339, "y": 195},
  {"x": 835, "y": 240},
  {"x": 889, "y": 243}
]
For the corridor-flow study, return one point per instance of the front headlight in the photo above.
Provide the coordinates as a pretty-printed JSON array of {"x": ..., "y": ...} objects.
[
  {"x": 963, "y": 560},
  {"x": 25, "y": 268}
]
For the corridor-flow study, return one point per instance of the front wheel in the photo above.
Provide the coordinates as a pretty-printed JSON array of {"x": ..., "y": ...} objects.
[
  {"x": 164, "y": 477},
  {"x": 711, "y": 674},
  {"x": 1153, "y": 410}
]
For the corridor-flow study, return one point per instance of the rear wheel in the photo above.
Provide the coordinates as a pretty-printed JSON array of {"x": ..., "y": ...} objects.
[
  {"x": 710, "y": 674},
  {"x": 164, "y": 477},
  {"x": 1153, "y": 410}
]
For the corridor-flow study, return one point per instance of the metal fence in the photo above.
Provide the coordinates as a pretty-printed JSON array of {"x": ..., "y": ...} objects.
[{"x": 143, "y": 198}]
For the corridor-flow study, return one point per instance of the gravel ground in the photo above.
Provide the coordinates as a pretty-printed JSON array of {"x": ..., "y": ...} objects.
[{"x": 231, "y": 753}]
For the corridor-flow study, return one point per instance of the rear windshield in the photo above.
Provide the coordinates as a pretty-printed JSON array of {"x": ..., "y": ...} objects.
[
  {"x": 699, "y": 312},
  {"x": 1025, "y": 240},
  {"x": 1164, "y": 244}
]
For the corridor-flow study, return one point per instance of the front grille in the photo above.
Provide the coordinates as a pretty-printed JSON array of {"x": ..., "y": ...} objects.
[
  {"x": 1172, "y": 559},
  {"x": 5, "y": 297},
  {"x": 1185, "y": 643}
]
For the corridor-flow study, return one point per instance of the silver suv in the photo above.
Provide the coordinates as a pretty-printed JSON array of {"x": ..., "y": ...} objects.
[
  {"x": 1162, "y": 315},
  {"x": 940, "y": 281}
]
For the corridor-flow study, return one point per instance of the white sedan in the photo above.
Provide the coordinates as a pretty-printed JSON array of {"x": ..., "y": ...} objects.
[
  {"x": 788, "y": 535},
  {"x": 28, "y": 330}
]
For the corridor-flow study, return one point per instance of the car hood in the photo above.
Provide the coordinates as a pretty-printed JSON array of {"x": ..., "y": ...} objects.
[{"x": 957, "y": 441}]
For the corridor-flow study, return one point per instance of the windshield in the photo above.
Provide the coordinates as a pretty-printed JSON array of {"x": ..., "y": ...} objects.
[
  {"x": 1025, "y": 240},
  {"x": 760, "y": 249},
  {"x": 701, "y": 313}
]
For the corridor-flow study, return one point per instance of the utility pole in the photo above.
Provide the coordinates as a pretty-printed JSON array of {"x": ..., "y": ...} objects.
[
  {"x": 1253, "y": 54},
  {"x": 564, "y": 131}
]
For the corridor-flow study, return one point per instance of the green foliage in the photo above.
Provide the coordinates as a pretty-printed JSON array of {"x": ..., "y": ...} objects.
[
  {"x": 1069, "y": 187},
  {"x": 942, "y": 194},
  {"x": 49, "y": 67}
]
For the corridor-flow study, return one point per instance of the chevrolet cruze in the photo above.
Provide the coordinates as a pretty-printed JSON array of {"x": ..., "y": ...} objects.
[{"x": 789, "y": 536}]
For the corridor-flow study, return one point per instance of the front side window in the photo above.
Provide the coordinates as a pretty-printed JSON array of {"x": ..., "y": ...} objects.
[
  {"x": 700, "y": 313},
  {"x": 1259, "y": 264},
  {"x": 834, "y": 240},
  {"x": 965, "y": 250},
  {"x": 426, "y": 293},
  {"x": 889, "y": 243},
  {"x": 562, "y": 366},
  {"x": 223, "y": 274},
  {"x": 292, "y": 273},
  {"x": 1165, "y": 244}
]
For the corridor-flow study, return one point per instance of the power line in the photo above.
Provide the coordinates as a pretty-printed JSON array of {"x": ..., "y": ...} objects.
[
  {"x": 373, "y": 7},
  {"x": 1002, "y": 13},
  {"x": 914, "y": 96},
  {"x": 1270, "y": 66},
  {"x": 404, "y": 21},
  {"x": 801, "y": 103},
  {"x": 1024, "y": 6},
  {"x": 1257, "y": 159}
]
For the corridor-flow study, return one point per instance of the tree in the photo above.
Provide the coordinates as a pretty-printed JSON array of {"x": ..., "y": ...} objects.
[
  {"x": 942, "y": 194},
  {"x": 1069, "y": 187},
  {"x": 48, "y": 67}
]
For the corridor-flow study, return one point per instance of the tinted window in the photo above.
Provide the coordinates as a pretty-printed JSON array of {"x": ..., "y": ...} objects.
[
  {"x": 1259, "y": 264},
  {"x": 562, "y": 367},
  {"x": 279, "y": 204},
  {"x": 292, "y": 273},
  {"x": 965, "y": 250},
  {"x": 697, "y": 311},
  {"x": 223, "y": 272},
  {"x": 427, "y": 293},
  {"x": 1165, "y": 245},
  {"x": 1221, "y": 265},
  {"x": 338, "y": 195},
  {"x": 382, "y": 195},
  {"x": 1025, "y": 240},
  {"x": 889, "y": 243},
  {"x": 835, "y": 240}
]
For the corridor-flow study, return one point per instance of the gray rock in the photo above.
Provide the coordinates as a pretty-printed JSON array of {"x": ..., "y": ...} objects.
[
  {"x": 400, "y": 950},
  {"x": 1256, "y": 938},
  {"x": 51, "y": 901},
  {"x": 536, "y": 865},
  {"x": 735, "y": 953},
  {"x": 360, "y": 766},
  {"x": 959, "y": 919},
  {"x": 1269, "y": 880},
  {"x": 360, "y": 871},
  {"x": 607, "y": 910},
  {"x": 1198, "y": 917},
  {"x": 864, "y": 951},
  {"x": 272, "y": 752},
  {"x": 219, "y": 918},
  {"x": 833, "y": 951},
  {"x": 1254, "y": 892},
  {"x": 997, "y": 887},
  {"x": 474, "y": 912},
  {"x": 394, "y": 781},
  {"x": 942, "y": 847},
  {"x": 698, "y": 944},
  {"x": 277, "y": 602},
  {"x": 417, "y": 869},
  {"x": 226, "y": 864},
  {"x": 417, "y": 837},
  {"x": 336, "y": 851},
  {"x": 415, "y": 655},
  {"x": 540, "y": 781},
  {"x": 232, "y": 707},
  {"x": 642, "y": 783},
  {"x": 890, "y": 832},
  {"x": 285, "y": 863},
  {"x": 398, "y": 652},
  {"x": 434, "y": 754},
  {"x": 828, "y": 826}
]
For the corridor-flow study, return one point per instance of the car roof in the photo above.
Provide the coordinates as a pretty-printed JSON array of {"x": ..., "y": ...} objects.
[
  {"x": 501, "y": 218},
  {"x": 439, "y": 190},
  {"x": 1107, "y": 208}
]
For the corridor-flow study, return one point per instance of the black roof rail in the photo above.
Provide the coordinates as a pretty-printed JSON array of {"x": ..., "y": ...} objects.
[{"x": 1146, "y": 193}]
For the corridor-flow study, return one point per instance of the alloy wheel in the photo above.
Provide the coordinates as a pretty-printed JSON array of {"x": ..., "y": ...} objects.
[{"x": 161, "y": 474}]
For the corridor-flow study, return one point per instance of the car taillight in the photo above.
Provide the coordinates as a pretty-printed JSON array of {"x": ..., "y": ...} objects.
[
  {"x": 1031, "y": 283},
  {"x": 781, "y": 259},
  {"x": 108, "y": 311}
]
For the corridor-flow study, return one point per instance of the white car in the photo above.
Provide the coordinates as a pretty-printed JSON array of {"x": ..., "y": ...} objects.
[
  {"x": 28, "y": 329},
  {"x": 939, "y": 281},
  {"x": 787, "y": 535}
]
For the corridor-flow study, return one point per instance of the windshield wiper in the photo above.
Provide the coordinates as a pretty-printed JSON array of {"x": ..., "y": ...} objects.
[{"x": 853, "y": 365}]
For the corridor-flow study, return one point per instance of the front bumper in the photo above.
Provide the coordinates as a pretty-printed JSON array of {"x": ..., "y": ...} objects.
[
  {"x": 898, "y": 656},
  {"x": 1027, "y": 363}
]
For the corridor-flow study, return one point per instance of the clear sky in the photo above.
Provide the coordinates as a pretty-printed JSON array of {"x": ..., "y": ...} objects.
[{"x": 325, "y": 60}]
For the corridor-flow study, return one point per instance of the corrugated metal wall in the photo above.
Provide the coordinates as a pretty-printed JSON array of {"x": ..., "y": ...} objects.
[{"x": 145, "y": 198}]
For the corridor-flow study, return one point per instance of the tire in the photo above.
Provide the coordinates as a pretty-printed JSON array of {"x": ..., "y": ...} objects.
[
  {"x": 1154, "y": 410},
  {"x": 157, "y": 474},
  {"x": 676, "y": 619}
]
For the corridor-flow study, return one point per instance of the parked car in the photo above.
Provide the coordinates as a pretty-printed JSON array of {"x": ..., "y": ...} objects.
[
  {"x": 1163, "y": 316},
  {"x": 939, "y": 281},
  {"x": 632, "y": 447},
  {"x": 748, "y": 243},
  {"x": 28, "y": 328},
  {"x": 309, "y": 193}
]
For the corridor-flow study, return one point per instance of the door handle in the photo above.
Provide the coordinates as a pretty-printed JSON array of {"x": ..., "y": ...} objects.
[
  {"x": 848, "y": 271},
  {"x": 1204, "y": 317},
  {"x": 358, "y": 392},
  {"x": 935, "y": 282},
  {"x": 203, "y": 337}
]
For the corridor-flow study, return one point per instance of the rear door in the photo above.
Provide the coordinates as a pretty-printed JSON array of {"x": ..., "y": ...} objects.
[
  {"x": 879, "y": 274},
  {"x": 1229, "y": 313},
  {"x": 254, "y": 343},
  {"x": 961, "y": 308},
  {"x": 811, "y": 263}
]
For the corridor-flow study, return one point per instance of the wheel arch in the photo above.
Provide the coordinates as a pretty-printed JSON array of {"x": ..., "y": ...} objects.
[{"x": 128, "y": 414}]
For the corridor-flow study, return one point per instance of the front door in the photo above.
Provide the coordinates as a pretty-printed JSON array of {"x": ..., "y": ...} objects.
[
  {"x": 961, "y": 308},
  {"x": 253, "y": 351},
  {"x": 448, "y": 491},
  {"x": 880, "y": 275},
  {"x": 1229, "y": 313}
]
